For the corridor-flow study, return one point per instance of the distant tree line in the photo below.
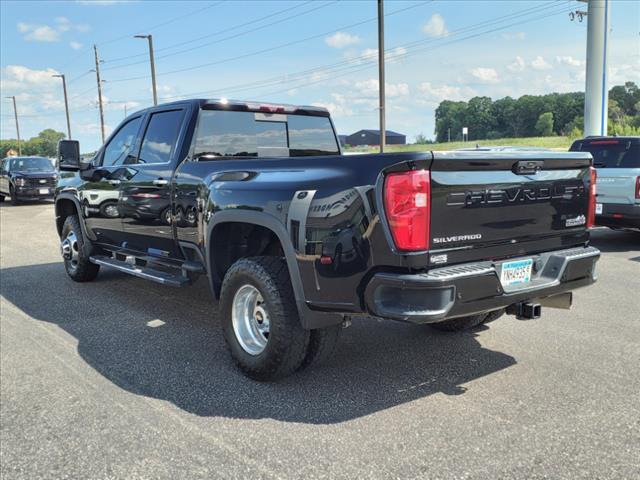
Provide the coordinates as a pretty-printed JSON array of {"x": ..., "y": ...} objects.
[
  {"x": 535, "y": 115},
  {"x": 44, "y": 145}
]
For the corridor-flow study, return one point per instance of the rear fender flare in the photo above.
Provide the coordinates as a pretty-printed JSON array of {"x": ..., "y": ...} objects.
[{"x": 308, "y": 318}]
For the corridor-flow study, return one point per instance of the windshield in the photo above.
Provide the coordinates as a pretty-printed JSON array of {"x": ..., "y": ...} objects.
[
  {"x": 32, "y": 164},
  {"x": 611, "y": 153}
]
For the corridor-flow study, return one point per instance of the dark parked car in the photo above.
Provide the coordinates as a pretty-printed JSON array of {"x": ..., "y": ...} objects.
[
  {"x": 617, "y": 161},
  {"x": 27, "y": 178},
  {"x": 295, "y": 238}
]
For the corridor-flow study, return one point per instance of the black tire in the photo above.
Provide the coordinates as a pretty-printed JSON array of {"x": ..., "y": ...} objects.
[
  {"x": 467, "y": 323},
  {"x": 1, "y": 198},
  {"x": 287, "y": 341},
  {"x": 322, "y": 344},
  {"x": 165, "y": 216},
  {"x": 80, "y": 270},
  {"x": 14, "y": 198}
]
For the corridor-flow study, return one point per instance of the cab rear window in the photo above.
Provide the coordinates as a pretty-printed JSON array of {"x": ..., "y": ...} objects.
[
  {"x": 247, "y": 134},
  {"x": 611, "y": 153}
]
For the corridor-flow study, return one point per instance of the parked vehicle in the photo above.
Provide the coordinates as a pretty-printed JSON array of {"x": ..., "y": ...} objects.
[
  {"x": 617, "y": 160},
  {"x": 296, "y": 239},
  {"x": 26, "y": 178}
]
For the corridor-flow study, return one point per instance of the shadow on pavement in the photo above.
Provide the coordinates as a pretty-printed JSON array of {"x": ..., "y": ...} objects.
[
  {"x": 607, "y": 240},
  {"x": 183, "y": 359}
]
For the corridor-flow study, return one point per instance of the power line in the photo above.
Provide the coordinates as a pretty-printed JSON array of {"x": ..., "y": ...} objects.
[
  {"x": 270, "y": 49},
  {"x": 230, "y": 37},
  {"x": 234, "y": 27},
  {"x": 167, "y": 22},
  {"x": 365, "y": 62},
  {"x": 357, "y": 61}
]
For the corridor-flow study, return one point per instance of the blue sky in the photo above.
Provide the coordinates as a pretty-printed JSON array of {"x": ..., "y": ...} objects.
[{"x": 318, "y": 52}]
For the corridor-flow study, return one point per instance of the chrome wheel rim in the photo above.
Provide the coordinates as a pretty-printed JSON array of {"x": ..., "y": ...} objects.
[
  {"x": 70, "y": 250},
  {"x": 111, "y": 211},
  {"x": 250, "y": 320}
]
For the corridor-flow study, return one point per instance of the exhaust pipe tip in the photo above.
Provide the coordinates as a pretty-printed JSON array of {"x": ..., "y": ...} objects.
[{"x": 525, "y": 310}]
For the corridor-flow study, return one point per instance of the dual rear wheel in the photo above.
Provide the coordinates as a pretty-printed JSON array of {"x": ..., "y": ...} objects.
[{"x": 261, "y": 325}]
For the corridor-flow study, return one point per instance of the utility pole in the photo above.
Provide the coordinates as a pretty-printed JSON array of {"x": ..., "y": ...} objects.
[
  {"x": 383, "y": 128},
  {"x": 15, "y": 113},
  {"x": 596, "y": 91},
  {"x": 66, "y": 103},
  {"x": 153, "y": 66},
  {"x": 125, "y": 110},
  {"x": 95, "y": 50}
]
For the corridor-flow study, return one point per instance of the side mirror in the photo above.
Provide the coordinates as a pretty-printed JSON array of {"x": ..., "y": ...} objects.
[{"x": 69, "y": 155}]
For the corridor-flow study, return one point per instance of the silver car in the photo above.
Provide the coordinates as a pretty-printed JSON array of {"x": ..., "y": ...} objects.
[{"x": 617, "y": 160}]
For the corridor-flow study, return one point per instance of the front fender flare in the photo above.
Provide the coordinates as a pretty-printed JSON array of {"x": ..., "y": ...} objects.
[{"x": 76, "y": 202}]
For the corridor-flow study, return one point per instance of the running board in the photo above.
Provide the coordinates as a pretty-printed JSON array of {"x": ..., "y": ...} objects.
[{"x": 143, "y": 272}]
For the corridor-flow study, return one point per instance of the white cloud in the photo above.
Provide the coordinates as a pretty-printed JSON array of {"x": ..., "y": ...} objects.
[
  {"x": 539, "y": 63},
  {"x": 487, "y": 75},
  {"x": 369, "y": 88},
  {"x": 75, "y": 45},
  {"x": 435, "y": 27},
  {"x": 568, "y": 60},
  {"x": 390, "y": 56},
  {"x": 517, "y": 66},
  {"x": 341, "y": 40},
  {"x": 335, "y": 109},
  {"x": 514, "y": 36},
  {"x": 46, "y": 33},
  {"x": 63, "y": 24},
  {"x": 20, "y": 78},
  {"x": 38, "y": 33},
  {"x": 431, "y": 94}
]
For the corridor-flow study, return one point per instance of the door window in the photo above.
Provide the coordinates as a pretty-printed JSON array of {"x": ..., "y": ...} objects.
[
  {"x": 161, "y": 137},
  {"x": 119, "y": 150}
]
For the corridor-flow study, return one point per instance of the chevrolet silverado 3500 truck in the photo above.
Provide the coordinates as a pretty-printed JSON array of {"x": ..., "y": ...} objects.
[{"x": 296, "y": 239}]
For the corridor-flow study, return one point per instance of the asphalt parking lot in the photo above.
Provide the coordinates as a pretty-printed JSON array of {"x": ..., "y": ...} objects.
[{"x": 121, "y": 378}]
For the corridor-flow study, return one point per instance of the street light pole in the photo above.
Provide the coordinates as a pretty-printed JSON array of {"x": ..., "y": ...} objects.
[
  {"x": 383, "y": 128},
  {"x": 66, "y": 103},
  {"x": 153, "y": 66},
  {"x": 95, "y": 50},
  {"x": 15, "y": 113}
]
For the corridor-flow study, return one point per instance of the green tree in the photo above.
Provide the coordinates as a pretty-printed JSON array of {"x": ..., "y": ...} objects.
[
  {"x": 544, "y": 125},
  {"x": 421, "y": 139},
  {"x": 479, "y": 118},
  {"x": 47, "y": 141}
]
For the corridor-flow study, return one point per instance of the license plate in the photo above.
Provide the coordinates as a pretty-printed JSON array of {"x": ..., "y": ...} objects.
[
  {"x": 44, "y": 191},
  {"x": 598, "y": 209},
  {"x": 516, "y": 272}
]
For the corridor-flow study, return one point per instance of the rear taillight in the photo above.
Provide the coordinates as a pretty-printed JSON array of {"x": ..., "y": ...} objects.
[
  {"x": 637, "y": 188},
  {"x": 591, "y": 212},
  {"x": 407, "y": 205}
]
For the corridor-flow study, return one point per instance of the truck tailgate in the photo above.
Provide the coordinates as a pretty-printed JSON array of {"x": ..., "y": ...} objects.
[{"x": 481, "y": 200}]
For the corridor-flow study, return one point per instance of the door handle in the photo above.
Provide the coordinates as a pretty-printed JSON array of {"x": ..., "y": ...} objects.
[
  {"x": 114, "y": 181},
  {"x": 160, "y": 182}
]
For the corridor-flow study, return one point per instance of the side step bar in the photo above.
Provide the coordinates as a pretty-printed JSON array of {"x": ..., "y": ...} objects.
[{"x": 143, "y": 272}]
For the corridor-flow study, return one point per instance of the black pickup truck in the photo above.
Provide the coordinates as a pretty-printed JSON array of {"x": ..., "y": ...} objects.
[{"x": 296, "y": 238}]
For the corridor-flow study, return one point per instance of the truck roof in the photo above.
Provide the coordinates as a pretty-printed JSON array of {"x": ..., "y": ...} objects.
[{"x": 246, "y": 105}]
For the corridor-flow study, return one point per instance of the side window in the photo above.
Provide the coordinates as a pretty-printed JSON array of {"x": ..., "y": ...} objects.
[
  {"x": 4, "y": 165},
  {"x": 161, "y": 136},
  {"x": 120, "y": 149},
  {"x": 226, "y": 134}
]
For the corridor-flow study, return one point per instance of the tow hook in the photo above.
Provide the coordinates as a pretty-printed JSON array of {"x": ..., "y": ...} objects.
[{"x": 525, "y": 310}]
